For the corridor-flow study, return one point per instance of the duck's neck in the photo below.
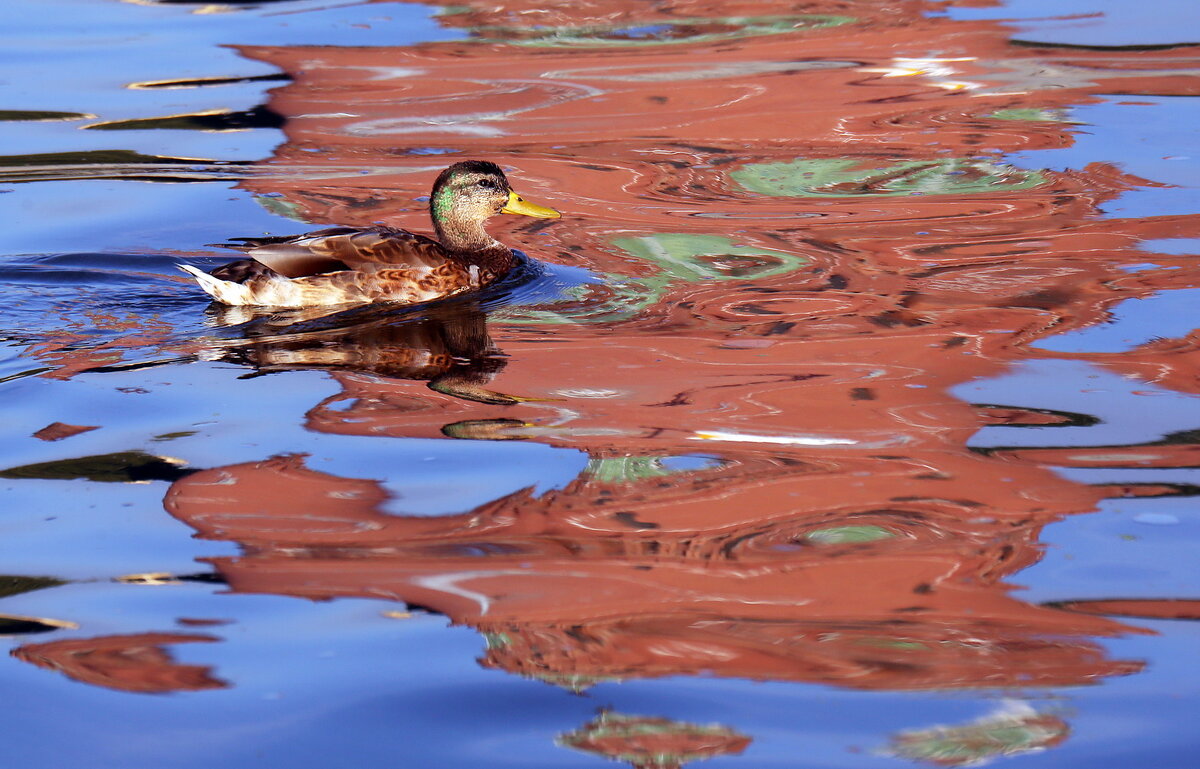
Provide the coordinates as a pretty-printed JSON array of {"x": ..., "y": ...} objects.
[
  {"x": 463, "y": 236},
  {"x": 471, "y": 245}
]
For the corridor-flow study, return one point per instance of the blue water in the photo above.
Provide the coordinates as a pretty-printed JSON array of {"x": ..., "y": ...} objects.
[{"x": 89, "y": 246}]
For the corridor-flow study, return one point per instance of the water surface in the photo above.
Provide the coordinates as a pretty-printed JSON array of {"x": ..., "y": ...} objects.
[{"x": 847, "y": 418}]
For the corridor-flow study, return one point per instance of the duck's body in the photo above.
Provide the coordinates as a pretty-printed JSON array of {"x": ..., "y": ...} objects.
[
  {"x": 344, "y": 265},
  {"x": 350, "y": 266}
]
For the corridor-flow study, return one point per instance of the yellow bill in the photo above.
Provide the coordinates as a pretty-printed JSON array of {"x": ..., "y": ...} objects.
[{"x": 516, "y": 205}]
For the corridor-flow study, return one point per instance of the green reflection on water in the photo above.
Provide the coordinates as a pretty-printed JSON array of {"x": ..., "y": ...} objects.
[
  {"x": 843, "y": 177},
  {"x": 1033, "y": 115},
  {"x": 843, "y": 535},
  {"x": 91, "y": 157},
  {"x": 119, "y": 467},
  {"x": 666, "y": 31},
  {"x": 634, "y": 469},
  {"x": 692, "y": 258},
  {"x": 649, "y": 742},
  {"x": 680, "y": 257},
  {"x": 1012, "y": 730},
  {"x": 625, "y": 469},
  {"x": 15, "y": 585},
  {"x": 282, "y": 207},
  {"x": 21, "y": 115}
]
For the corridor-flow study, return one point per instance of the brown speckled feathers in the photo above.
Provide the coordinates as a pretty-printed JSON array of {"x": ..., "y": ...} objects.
[{"x": 343, "y": 265}]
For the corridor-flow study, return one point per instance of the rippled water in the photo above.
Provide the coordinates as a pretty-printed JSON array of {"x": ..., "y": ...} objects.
[{"x": 847, "y": 418}]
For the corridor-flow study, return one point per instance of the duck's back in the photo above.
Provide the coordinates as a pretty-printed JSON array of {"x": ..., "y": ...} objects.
[{"x": 342, "y": 265}]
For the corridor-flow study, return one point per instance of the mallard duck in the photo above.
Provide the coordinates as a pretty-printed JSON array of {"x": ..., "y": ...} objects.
[{"x": 346, "y": 265}]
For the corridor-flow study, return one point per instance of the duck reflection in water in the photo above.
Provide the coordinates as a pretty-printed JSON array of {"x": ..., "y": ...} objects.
[{"x": 446, "y": 345}]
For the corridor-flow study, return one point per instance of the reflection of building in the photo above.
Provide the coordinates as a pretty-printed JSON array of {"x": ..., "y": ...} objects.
[
  {"x": 650, "y": 132},
  {"x": 806, "y": 341},
  {"x": 669, "y": 573},
  {"x": 130, "y": 663}
]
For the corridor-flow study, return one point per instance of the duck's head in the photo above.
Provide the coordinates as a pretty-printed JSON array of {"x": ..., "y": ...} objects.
[{"x": 475, "y": 190}]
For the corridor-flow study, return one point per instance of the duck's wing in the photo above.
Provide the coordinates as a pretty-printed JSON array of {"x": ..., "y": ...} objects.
[{"x": 342, "y": 248}]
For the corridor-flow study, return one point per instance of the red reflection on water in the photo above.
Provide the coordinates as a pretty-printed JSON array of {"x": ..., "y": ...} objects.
[
  {"x": 742, "y": 570},
  {"x": 808, "y": 341},
  {"x": 129, "y": 663},
  {"x": 844, "y": 533}
]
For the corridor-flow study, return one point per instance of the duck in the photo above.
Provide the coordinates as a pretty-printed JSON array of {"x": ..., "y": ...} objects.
[{"x": 348, "y": 265}]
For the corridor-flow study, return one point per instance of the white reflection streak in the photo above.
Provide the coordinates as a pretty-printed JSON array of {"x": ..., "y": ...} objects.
[
  {"x": 470, "y": 124},
  {"x": 784, "y": 440},
  {"x": 935, "y": 69},
  {"x": 448, "y": 583}
]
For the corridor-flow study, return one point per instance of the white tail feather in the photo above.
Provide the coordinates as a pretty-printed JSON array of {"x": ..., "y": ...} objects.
[{"x": 223, "y": 291}]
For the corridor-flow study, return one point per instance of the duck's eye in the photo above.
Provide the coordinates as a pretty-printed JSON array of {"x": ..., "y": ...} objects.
[{"x": 488, "y": 184}]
